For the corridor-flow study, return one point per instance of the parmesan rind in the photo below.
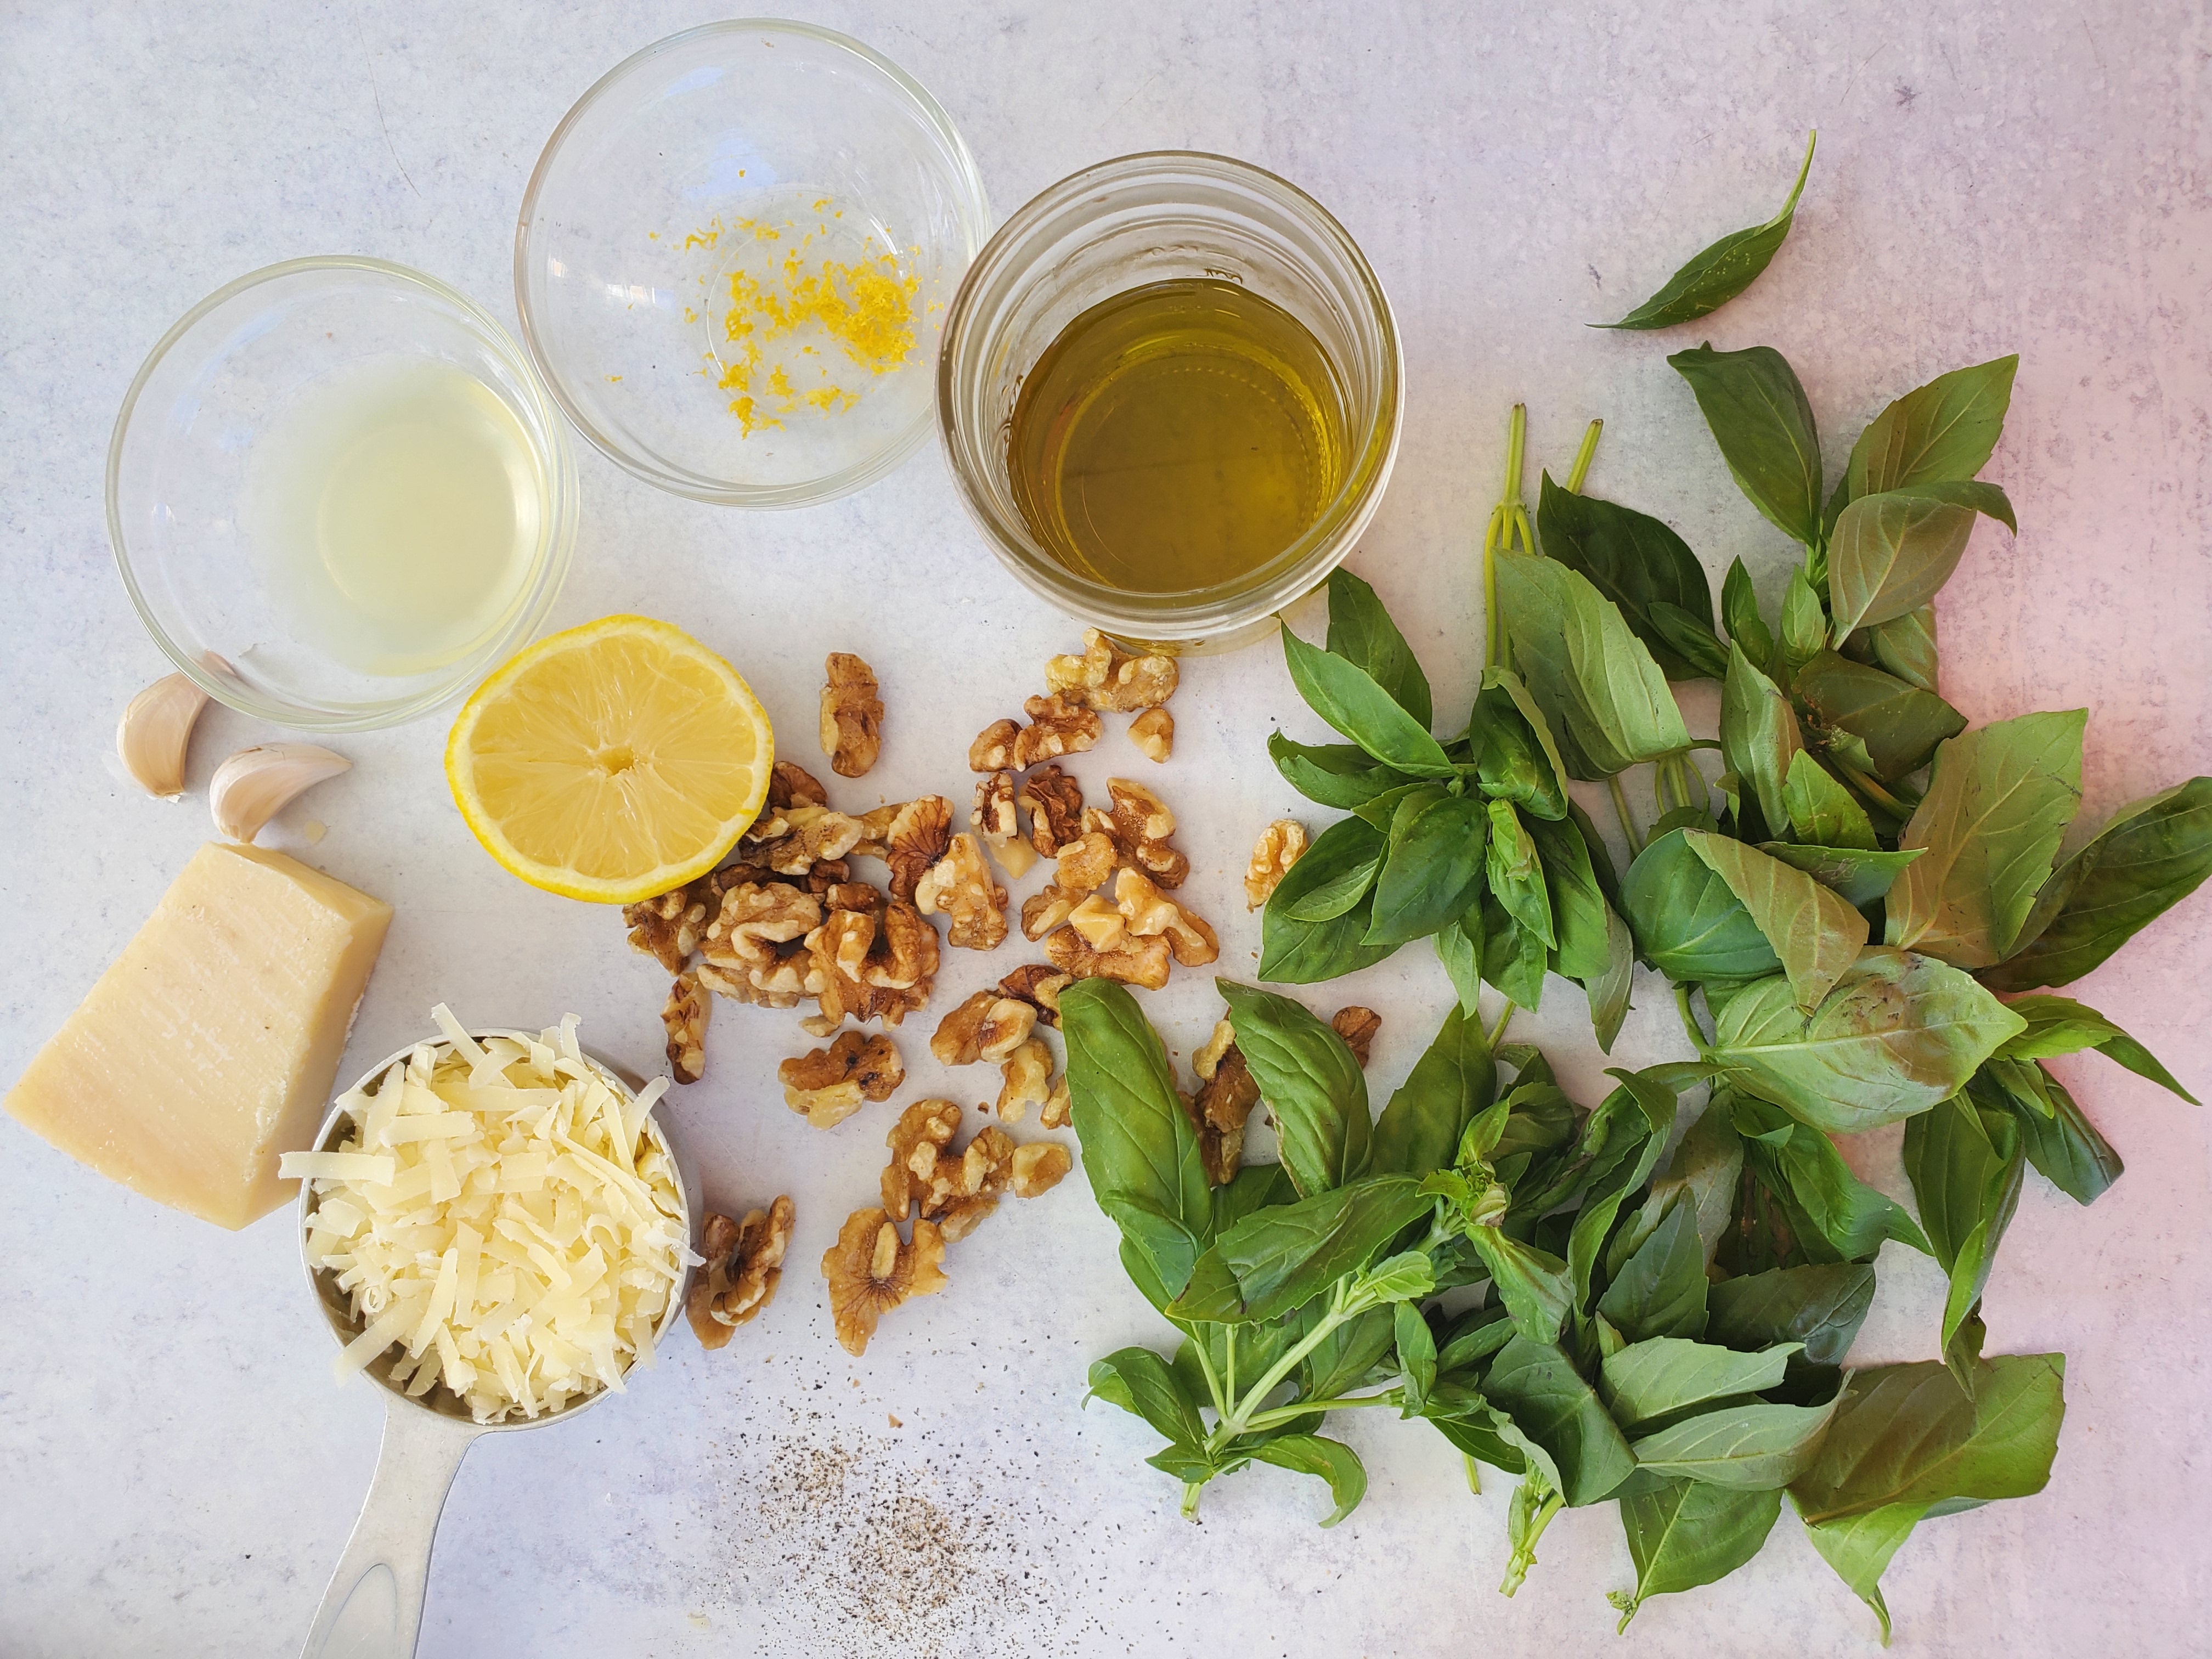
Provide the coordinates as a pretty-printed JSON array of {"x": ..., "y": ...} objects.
[{"x": 499, "y": 1211}]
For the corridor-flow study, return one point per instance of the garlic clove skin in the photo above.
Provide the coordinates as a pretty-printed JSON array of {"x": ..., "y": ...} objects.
[
  {"x": 155, "y": 732},
  {"x": 254, "y": 785}
]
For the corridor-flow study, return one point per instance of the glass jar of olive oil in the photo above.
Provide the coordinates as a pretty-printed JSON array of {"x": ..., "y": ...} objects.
[{"x": 1169, "y": 392}]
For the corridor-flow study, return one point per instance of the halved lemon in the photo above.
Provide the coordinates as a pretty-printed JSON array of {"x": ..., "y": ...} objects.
[{"x": 610, "y": 762}]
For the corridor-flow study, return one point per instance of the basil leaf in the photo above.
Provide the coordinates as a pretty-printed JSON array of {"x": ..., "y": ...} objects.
[
  {"x": 1965, "y": 1166},
  {"x": 1946, "y": 429},
  {"x": 1860, "y": 876},
  {"x": 1140, "y": 1151},
  {"x": 1662, "y": 1376},
  {"x": 1900, "y": 725},
  {"x": 1812, "y": 932},
  {"x": 1625, "y": 1135},
  {"x": 1361, "y": 632},
  {"x": 1660, "y": 1290},
  {"x": 1715, "y": 275},
  {"x": 1310, "y": 1081},
  {"x": 1417, "y": 1354},
  {"x": 1304, "y": 952},
  {"x": 1257, "y": 1186},
  {"x": 1706, "y": 1167},
  {"x": 1836, "y": 1216},
  {"x": 1760, "y": 740},
  {"x": 2152, "y": 854},
  {"x": 1740, "y": 615},
  {"x": 1283, "y": 1257},
  {"x": 1683, "y": 1533},
  {"x": 1532, "y": 1283},
  {"x": 1347, "y": 696},
  {"x": 1515, "y": 757},
  {"x": 1337, "y": 895},
  {"x": 1517, "y": 874},
  {"x": 1907, "y": 1440},
  {"x": 1585, "y": 669},
  {"x": 1381, "y": 812},
  {"x": 1454, "y": 1078},
  {"x": 1340, "y": 774},
  {"x": 1538, "y": 1387},
  {"x": 1890, "y": 554},
  {"x": 1139, "y": 1381},
  {"x": 1460, "y": 952},
  {"x": 1898, "y": 1034},
  {"x": 1630, "y": 557},
  {"x": 2058, "y": 1026},
  {"x": 2061, "y": 1144},
  {"x": 1609, "y": 992},
  {"x": 1332, "y": 1460},
  {"x": 1703, "y": 656},
  {"x": 1996, "y": 810},
  {"x": 1764, "y": 425},
  {"x": 1689, "y": 923},
  {"x": 1821, "y": 1307},
  {"x": 1821, "y": 811},
  {"x": 1578, "y": 910},
  {"x": 1433, "y": 868},
  {"x": 1804, "y": 621},
  {"x": 1746, "y": 1448},
  {"x": 1513, "y": 959},
  {"x": 1905, "y": 646}
]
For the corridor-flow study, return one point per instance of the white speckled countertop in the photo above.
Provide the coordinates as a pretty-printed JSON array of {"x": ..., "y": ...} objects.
[{"x": 178, "y": 1471}]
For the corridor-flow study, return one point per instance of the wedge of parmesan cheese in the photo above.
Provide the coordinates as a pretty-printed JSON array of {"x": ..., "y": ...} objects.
[
  {"x": 209, "y": 1049},
  {"x": 499, "y": 1213}
]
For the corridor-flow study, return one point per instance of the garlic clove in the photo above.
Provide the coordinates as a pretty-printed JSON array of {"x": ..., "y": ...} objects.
[
  {"x": 155, "y": 733},
  {"x": 254, "y": 785}
]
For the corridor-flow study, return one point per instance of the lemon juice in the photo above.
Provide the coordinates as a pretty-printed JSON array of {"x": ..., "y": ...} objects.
[{"x": 396, "y": 509}]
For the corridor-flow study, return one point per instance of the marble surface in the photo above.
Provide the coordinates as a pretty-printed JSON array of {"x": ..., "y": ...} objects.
[{"x": 178, "y": 1471}]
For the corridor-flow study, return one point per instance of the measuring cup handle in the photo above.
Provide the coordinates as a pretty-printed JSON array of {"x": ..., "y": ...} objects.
[{"x": 374, "y": 1607}]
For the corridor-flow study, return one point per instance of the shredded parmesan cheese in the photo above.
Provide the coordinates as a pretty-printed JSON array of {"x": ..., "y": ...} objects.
[{"x": 500, "y": 1213}]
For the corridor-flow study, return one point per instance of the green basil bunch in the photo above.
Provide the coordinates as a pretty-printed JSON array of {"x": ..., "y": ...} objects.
[
  {"x": 1668, "y": 1339},
  {"x": 1472, "y": 841}
]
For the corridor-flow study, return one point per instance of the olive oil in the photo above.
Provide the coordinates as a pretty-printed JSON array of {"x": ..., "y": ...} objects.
[{"x": 1177, "y": 436}]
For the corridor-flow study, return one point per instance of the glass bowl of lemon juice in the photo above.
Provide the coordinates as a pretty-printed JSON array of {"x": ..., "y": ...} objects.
[{"x": 339, "y": 494}]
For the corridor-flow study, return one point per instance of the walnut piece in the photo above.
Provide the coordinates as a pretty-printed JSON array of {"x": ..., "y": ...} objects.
[
  {"x": 1225, "y": 1099},
  {"x": 1101, "y": 924},
  {"x": 852, "y": 715},
  {"x": 1106, "y": 677},
  {"x": 998, "y": 823},
  {"x": 910, "y": 837},
  {"x": 778, "y": 984},
  {"x": 813, "y": 835},
  {"x": 684, "y": 1019},
  {"x": 1057, "y": 728},
  {"x": 1039, "y": 984},
  {"x": 960, "y": 885},
  {"x": 1087, "y": 862},
  {"x": 1054, "y": 802},
  {"x": 1358, "y": 1027},
  {"x": 755, "y": 918},
  {"x": 1059, "y": 1105},
  {"x": 988, "y": 1026},
  {"x": 744, "y": 1261},
  {"x": 873, "y": 965},
  {"x": 1153, "y": 733},
  {"x": 829, "y": 1086},
  {"x": 1038, "y": 1168},
  {"x": 1026, "y": 1080},
  {"x": 1148, "y": 913},
  {"x": 669, "y": 929},
  {"x": 871, "y": 1270},
  {"x": 993, "y": 748},
  {"x": 1281, "y": 844},
  {"x": 1137, "y": 962},
  {"x": 788, "y": 786},
  {"x": 923, "y": 1131},
  {"x": 1141, "y": 824},
  {"x": 1046, "y": 908}
]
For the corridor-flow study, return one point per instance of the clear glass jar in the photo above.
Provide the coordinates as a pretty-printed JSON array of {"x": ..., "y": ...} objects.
[{"x": 1149, "y": 218}]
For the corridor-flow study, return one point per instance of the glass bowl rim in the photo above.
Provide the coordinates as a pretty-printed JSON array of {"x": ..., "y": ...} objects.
[
  {"x": 561, "y": 487},
  {"x": 976, "y": 216},
  {"x": 1224, "y": 607}
]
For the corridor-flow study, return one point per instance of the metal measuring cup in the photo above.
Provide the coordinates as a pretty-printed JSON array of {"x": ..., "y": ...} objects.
[{"x": 374, "y": 1607}]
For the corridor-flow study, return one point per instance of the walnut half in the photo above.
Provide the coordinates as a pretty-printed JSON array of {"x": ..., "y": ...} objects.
[
  {"x": 960, "y": 885},
  {"x": 1106, "y": 677},
  {"x": 1135, "y": 961},
  {"x": 829, "y": 1086},
  {"x": 852, "y": 715},
  {"x": 1281, "y": 844},
  {"x": 743, "y": 1263},
  {"x": 871, "y": 1270},
  {"x": 684, "y": 1019}
]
